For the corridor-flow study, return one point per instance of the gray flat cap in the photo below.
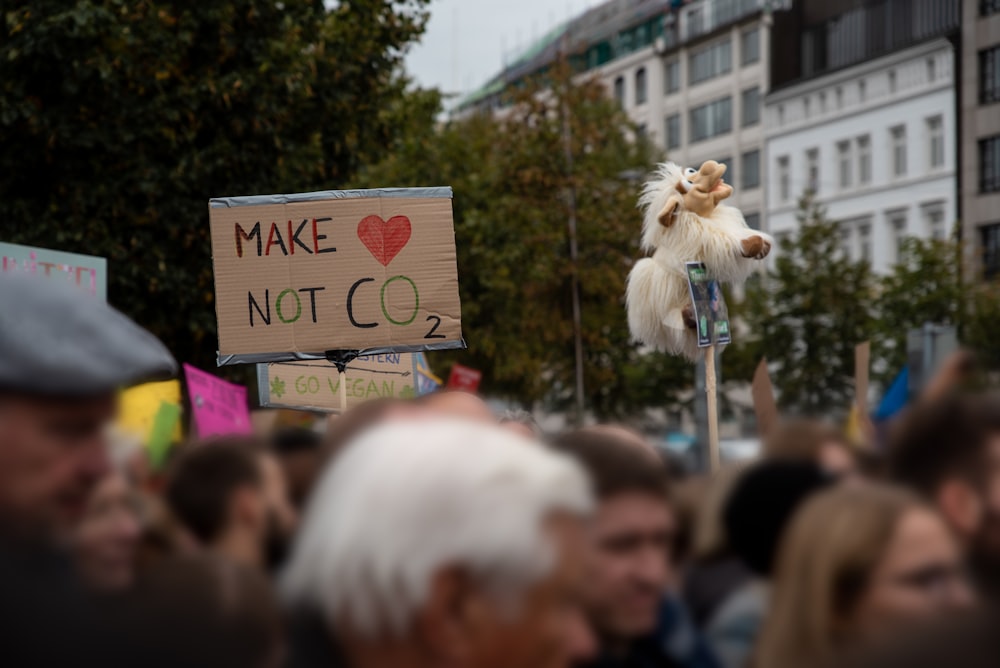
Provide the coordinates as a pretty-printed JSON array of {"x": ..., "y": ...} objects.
[{"x": 57, "y": 340}]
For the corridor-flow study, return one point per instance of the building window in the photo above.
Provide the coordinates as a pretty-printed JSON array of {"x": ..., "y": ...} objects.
[
  {"x": 781, "y": 114},
  {"x": 812, "y": 169},
  {"x": 750, "y": 46},
  {"x": 865, "y": 241},
  {"x": 805, "y": 106},
  {"x": 864, "y": 160},
  {"x": 931, "y": 70},
  {"x": 673, "y": 131},
  {"x": 934, "y": 220},
  {"x": 822, "y": 102},
  {"x": 620, "y": 91},
  {"x": 672, "y": 76},
  {"x": 935, "y": 142},
  {"x": 784, "y": 179},
  {"x": 640, "y": 86},
  {"x": 844, "y": 164},
  {"x": 990, "y": 236},
  {"x": 892, "y": 81},
  {"x": 840, "y": 97},
  {"x": 845, "y": 240},
  {"x": 753, "y": 220},
  {"x": 750, "y": 169},
  {"x": 897, "y": 137},
  {"x": 862, "y": 90},
  {"x": 989, "y": 7},
  {"x": 641, "y": 131},
  {"x": 730, "y": 170},
  {"x": 712, "y": 119},
  {"x": 750, "y": 103},
  {"x": 710, "y": 61},
  {"x": 897, "y": 225},
  {"x": 989, "y": 75},
  {"x": 989, "y": 164}
]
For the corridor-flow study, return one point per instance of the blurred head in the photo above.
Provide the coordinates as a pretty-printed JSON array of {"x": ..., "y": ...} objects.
[
  {"x": 52, "y": 455},
  {"x": 858, "y": 564},
  {"x": 761, "y": 504},
  {"x": 231, "y": 495},
  {"x": 301, "y": 455},
  {"x": 815, "y": 441},
  {"x": 949, "y": 451},
  {"x": 520, "y": 422},
  {"x": 107, "y": 537},
  {"x": 449, "y": 542},
  {"x": 628, "y": 560},
  {"x": 458, "y": 403}
]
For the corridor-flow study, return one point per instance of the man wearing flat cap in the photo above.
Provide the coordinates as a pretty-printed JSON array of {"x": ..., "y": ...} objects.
[{"x": 63, "y": 357}]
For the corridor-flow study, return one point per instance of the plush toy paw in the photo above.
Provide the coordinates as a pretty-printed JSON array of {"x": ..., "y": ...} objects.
[
  {"x": 688, "y": 315},
  {"x": 756, "y": 248}
]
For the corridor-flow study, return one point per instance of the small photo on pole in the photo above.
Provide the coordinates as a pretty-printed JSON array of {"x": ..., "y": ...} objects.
[{"x": 710, "y": 311}]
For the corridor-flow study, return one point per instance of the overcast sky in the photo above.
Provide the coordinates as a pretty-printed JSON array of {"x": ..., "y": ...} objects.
[{"x": 465, "y": 38}]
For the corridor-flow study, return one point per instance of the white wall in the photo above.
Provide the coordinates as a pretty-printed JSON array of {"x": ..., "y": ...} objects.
[{"x": 791, "y": 131}]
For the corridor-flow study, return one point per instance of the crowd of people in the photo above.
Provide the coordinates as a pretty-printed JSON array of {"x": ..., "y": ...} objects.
[{"x": 431, "y": 533}]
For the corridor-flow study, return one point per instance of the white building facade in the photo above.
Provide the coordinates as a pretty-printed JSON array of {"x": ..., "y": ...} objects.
[
  {"x": 875, "y": 144},
  {"x": 703, "y": 99}
]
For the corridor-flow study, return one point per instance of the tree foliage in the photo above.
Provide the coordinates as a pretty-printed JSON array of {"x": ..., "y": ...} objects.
[
  {"x": 807, "y": 315},
  {"x": 511, "y": 180},
  {"x": 121, "y": 118}
]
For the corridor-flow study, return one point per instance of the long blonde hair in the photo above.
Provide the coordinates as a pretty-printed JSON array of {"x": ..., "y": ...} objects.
[{"x": 826, "y": 559}]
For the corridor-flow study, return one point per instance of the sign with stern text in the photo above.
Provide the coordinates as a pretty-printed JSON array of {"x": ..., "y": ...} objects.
[{"x": 371, "y": 271}]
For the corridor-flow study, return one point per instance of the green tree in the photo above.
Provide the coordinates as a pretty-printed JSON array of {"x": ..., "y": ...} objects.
[
  {"x": 807, "y": 315},
  {"x": 511, "y": 179},
  {"x": 121, "y": 118},
  {"x": 925, "y": 286}
]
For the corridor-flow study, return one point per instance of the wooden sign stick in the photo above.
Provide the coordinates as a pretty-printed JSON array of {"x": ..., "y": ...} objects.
[
  {"x": 343, "y": 390},
  {"x": 713, "y": 410}
]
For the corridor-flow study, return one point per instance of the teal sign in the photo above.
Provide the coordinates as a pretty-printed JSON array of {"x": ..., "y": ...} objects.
[{"x": 88, "y": 271}]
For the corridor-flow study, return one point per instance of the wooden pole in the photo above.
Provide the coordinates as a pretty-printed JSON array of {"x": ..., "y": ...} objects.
[
  {"x": 713, "y": 410},
  {"x": 343, "y": 391}
]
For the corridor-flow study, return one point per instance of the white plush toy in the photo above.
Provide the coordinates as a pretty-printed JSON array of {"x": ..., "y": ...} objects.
[{"x": 683, "y": 221}]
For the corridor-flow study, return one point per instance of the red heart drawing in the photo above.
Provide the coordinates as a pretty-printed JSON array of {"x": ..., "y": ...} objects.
[{"x": 384, "y": 238}]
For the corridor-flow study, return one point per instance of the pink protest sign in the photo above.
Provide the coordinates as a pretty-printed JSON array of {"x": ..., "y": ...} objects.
[{"x": 219, "y": 407}]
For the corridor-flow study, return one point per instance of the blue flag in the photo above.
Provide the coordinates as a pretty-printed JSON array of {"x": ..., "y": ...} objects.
[{"x": 895, "y": 397}]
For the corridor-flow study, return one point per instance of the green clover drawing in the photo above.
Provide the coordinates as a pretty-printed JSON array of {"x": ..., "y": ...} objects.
[{"x": 277, "y": 387}]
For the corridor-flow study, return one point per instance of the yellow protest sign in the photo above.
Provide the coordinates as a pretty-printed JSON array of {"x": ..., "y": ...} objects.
[{"x": 138, "y": 406}]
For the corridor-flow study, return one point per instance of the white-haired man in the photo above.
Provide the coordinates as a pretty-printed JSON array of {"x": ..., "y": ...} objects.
[{"x": 441, "y": 544}]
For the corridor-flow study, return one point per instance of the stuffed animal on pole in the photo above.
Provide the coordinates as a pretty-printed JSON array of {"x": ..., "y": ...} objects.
[{"x": 685, "y": 221}]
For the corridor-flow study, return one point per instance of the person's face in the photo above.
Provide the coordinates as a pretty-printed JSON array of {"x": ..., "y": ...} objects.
[
  {"x": 105, "y": 540},
  {"x": 919, "y": 576},
  {"x": 546, "y": 627},
  {"x": 627, "y": 563},
  {"x": 52, "y": 453}
]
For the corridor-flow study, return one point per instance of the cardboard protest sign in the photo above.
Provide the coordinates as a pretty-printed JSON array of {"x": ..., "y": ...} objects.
[
  {"x": 361, "y": 270},
  {"x": 138, "y": 406},
  {"x": 710, "y": 311},
  {"x": 219, "y": 407},
  {"x": 316, "y": 384},
  {"x": 464, "y": 378},
  {"x": 88, "y": 271},
  {"x": 764, "y": 405}
]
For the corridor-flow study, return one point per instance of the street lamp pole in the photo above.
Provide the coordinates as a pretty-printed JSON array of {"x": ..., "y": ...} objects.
[{"x": 574, "y": 261}]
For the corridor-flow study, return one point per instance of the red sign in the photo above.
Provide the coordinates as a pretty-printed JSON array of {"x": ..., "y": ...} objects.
[{"x": 464, "y": 378}]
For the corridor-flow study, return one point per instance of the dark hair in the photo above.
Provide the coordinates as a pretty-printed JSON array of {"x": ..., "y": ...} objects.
[
  {"x": 204, "y": 478},
  {"x": 613, "y": 465},
  {"x": 289, "y": 440},
  {"x": 943, "y": 439},
  {"x": 762, "y": 504}
]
